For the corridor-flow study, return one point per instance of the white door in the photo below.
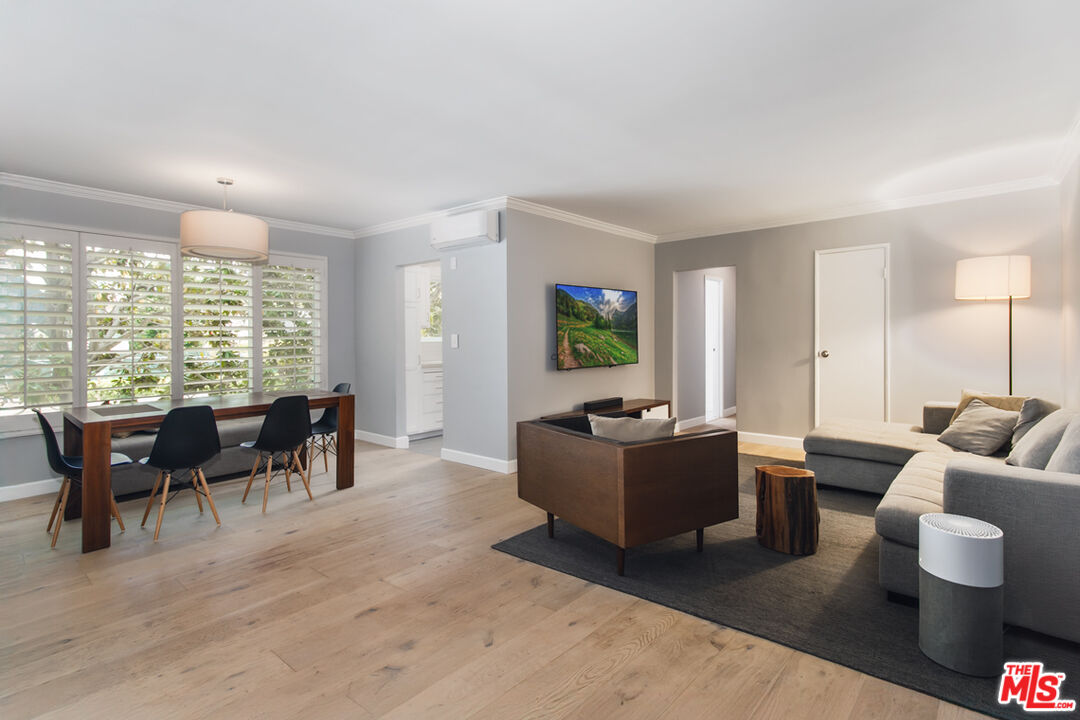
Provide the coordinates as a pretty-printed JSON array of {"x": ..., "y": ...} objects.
[
  {"x": 852, "y": 333},
  {"x": 714, "y": 356}
]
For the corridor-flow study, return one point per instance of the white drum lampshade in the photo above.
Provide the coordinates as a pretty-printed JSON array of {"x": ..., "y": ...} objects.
[
  {"x": 997, "y": 277},
  {"x": 224, "y": 235}
]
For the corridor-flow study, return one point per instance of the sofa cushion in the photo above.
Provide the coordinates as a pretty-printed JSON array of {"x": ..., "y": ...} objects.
[
  {"x": 893, "y": 443},
  {"x": 1036, "y": 447},
  {"x": 980, "y": 429},
  {"x": 1033, "y": 410},
  {"x": 1012, "y": 403},
  {"x": 1066, "y": 457},
  {"x": 629, "y": 429},
  {"x": 916, "y": 490}
]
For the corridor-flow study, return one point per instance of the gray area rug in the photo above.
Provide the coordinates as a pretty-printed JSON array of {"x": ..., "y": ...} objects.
[{"x": 828, "y": 604}]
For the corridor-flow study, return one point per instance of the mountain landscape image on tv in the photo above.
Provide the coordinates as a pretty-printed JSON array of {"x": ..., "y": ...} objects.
[{"x": 595, "y": 327}]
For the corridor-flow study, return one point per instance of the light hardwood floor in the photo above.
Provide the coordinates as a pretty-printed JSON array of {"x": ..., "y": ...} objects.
[{"x": 382, "y": 601}]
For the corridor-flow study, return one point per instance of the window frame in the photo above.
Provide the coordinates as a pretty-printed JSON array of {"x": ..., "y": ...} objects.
[{"x": 23, "y": 423}]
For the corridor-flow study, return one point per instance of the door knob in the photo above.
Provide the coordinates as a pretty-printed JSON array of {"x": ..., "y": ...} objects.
[{"x": 824, "y": 353}]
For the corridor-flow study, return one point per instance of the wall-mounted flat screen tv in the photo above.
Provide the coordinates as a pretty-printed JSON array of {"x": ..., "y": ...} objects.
[{"x": 595, "y": 327}]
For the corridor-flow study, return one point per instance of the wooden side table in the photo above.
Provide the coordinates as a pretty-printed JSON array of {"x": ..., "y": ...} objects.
[{"x": 787, "y": 509}]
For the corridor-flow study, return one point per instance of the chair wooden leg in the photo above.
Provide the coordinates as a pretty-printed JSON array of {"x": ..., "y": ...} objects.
[
  {"x": 251, "y": 479},
  {"x": 116, "y": 512},
  {"x": 209, "y": 498},
  {"x": 60, "y": 511},
  {"x": 325, "y": 459},
  {"x": 161, "y": 509},
  {"x": 266, "y": 489},
  {"x": 150, "y": 501},
  {"x": 59, "y": 495},
  {"x": 287, "y": 462},
  {"x": 195, "y": 487},
  {"x": 307, "y": 481}
]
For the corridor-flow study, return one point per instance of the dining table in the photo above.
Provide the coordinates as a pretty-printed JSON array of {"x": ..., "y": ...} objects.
[{"x": 88, "y": 432}]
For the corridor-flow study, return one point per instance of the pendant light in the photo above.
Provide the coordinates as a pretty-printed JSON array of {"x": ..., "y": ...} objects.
[{"x": 223, "y": 234}]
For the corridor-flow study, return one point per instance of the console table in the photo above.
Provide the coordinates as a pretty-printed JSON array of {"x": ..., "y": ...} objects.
[
  {"x": 636, "y": 407},
  {"x": 88, "y": 432}
]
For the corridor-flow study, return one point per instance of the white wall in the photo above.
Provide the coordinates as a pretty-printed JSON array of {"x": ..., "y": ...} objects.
[
  {"x": 1070, "y": 267},
  {"x": 543, "y": 252},
  {"x": 939, "y": 345}
]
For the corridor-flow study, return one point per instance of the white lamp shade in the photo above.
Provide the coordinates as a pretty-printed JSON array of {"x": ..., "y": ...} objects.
[
  {"x": 996, "y": 277},
  {"x": 224, "y": 235}
]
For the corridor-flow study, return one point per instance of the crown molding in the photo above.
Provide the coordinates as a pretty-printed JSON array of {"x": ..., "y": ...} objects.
[
  {"x": 90, "y": 193},
  {"x": 508, "y": 203},
  {"x": 574, "y": 219},
  {"x": 868, "y": 208},
  {"x": 1070, "y": 151}
]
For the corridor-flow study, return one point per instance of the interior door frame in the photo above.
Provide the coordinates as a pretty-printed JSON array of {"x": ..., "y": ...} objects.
[{"x": 817, "y": 324}]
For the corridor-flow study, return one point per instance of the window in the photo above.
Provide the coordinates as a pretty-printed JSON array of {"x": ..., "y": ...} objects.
[
  {"x": 91, "y": 318},
  {"x": 128, "y": 324},
  {"x": 434, "y": 324},
  {"x": 36, "y": 329},
  {"x": 219, "y": 321},
  {"x": 291, "y": 325}
]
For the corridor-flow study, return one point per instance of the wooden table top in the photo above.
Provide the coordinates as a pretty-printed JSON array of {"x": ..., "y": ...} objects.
[{"x": 137, "y": 416}]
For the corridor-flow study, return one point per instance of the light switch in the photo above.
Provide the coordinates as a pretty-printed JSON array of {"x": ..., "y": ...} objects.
[
  {"x": 453, "y": 262},
  {"x": 453, "y": 341}
]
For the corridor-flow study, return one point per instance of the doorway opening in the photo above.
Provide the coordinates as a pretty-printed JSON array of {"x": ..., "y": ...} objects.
[
  {"x": 423, "y": 357},
  {"x": 703, "y": 381}
]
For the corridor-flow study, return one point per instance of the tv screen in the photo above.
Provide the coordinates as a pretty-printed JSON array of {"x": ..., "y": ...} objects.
[{"x": 595, "y": 327}]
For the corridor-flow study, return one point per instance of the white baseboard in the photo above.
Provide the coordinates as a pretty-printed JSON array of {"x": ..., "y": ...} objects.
[
  {"x": 401, "y": 443},
  {"x": 29, "y": 489},
  {"x": 783, "y": 441},
  {"x": 681, "y": 425},
  {"x": 506, "y": 467},
  {"x": 728, "y": 412}
]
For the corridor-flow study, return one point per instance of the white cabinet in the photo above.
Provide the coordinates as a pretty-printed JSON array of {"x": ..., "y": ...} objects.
[{"x": 431, "y": 417}]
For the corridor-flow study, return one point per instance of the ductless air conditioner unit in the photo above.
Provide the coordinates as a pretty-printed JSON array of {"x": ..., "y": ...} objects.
[{"x": 465, "y": 230}]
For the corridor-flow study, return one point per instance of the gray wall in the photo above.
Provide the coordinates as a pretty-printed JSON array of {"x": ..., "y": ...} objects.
[
  {"x": 474, "y": 306},
  {"x": 939, "y": 345},
  {"x": 543, "y": 252},
  {"x": 690, "y": 339},
  {"x": 1070, "y": 226},
  {"x": 23, "y": 457}
]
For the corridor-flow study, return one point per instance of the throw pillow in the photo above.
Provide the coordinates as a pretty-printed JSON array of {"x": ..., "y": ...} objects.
[
  {"x": 1005, "y": 402},
  {"x": 1034, "y": 410},
  {"x": 627, "y": 429},
  {"x": 980, "y": 429},
  {"x": 1036, "y": 447},
  {"x": 1066, "y": 457}
]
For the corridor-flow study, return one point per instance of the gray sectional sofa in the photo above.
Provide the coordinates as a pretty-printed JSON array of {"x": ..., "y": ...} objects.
[{"x": 1038, "y": 510}]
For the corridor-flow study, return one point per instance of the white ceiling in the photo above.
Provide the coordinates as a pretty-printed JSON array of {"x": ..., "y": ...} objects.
[{"x": 666, "y": 117}]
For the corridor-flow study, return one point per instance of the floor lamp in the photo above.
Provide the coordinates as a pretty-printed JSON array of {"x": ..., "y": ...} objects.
[{"x": 997, "y": 277}]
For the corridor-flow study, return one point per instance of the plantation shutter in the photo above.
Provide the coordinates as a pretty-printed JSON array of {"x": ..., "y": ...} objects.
[
  {"x": 219, "y": 322},
  {"x": 128, "y": 323},
  {"x": 36, "y": 313},
  {"x": 291, "y": 327}
]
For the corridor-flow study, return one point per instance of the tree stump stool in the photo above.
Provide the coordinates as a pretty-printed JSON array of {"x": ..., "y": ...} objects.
[{"x": 787, "y": 509}]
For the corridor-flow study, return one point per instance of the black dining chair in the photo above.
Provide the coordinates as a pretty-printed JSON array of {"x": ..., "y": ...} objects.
[
  {"x": 285, "y": 430},
  {"x": 324, "y": 431},
  {"x": 70, "y": 469},
  {"x": 187, "y": 440}
]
